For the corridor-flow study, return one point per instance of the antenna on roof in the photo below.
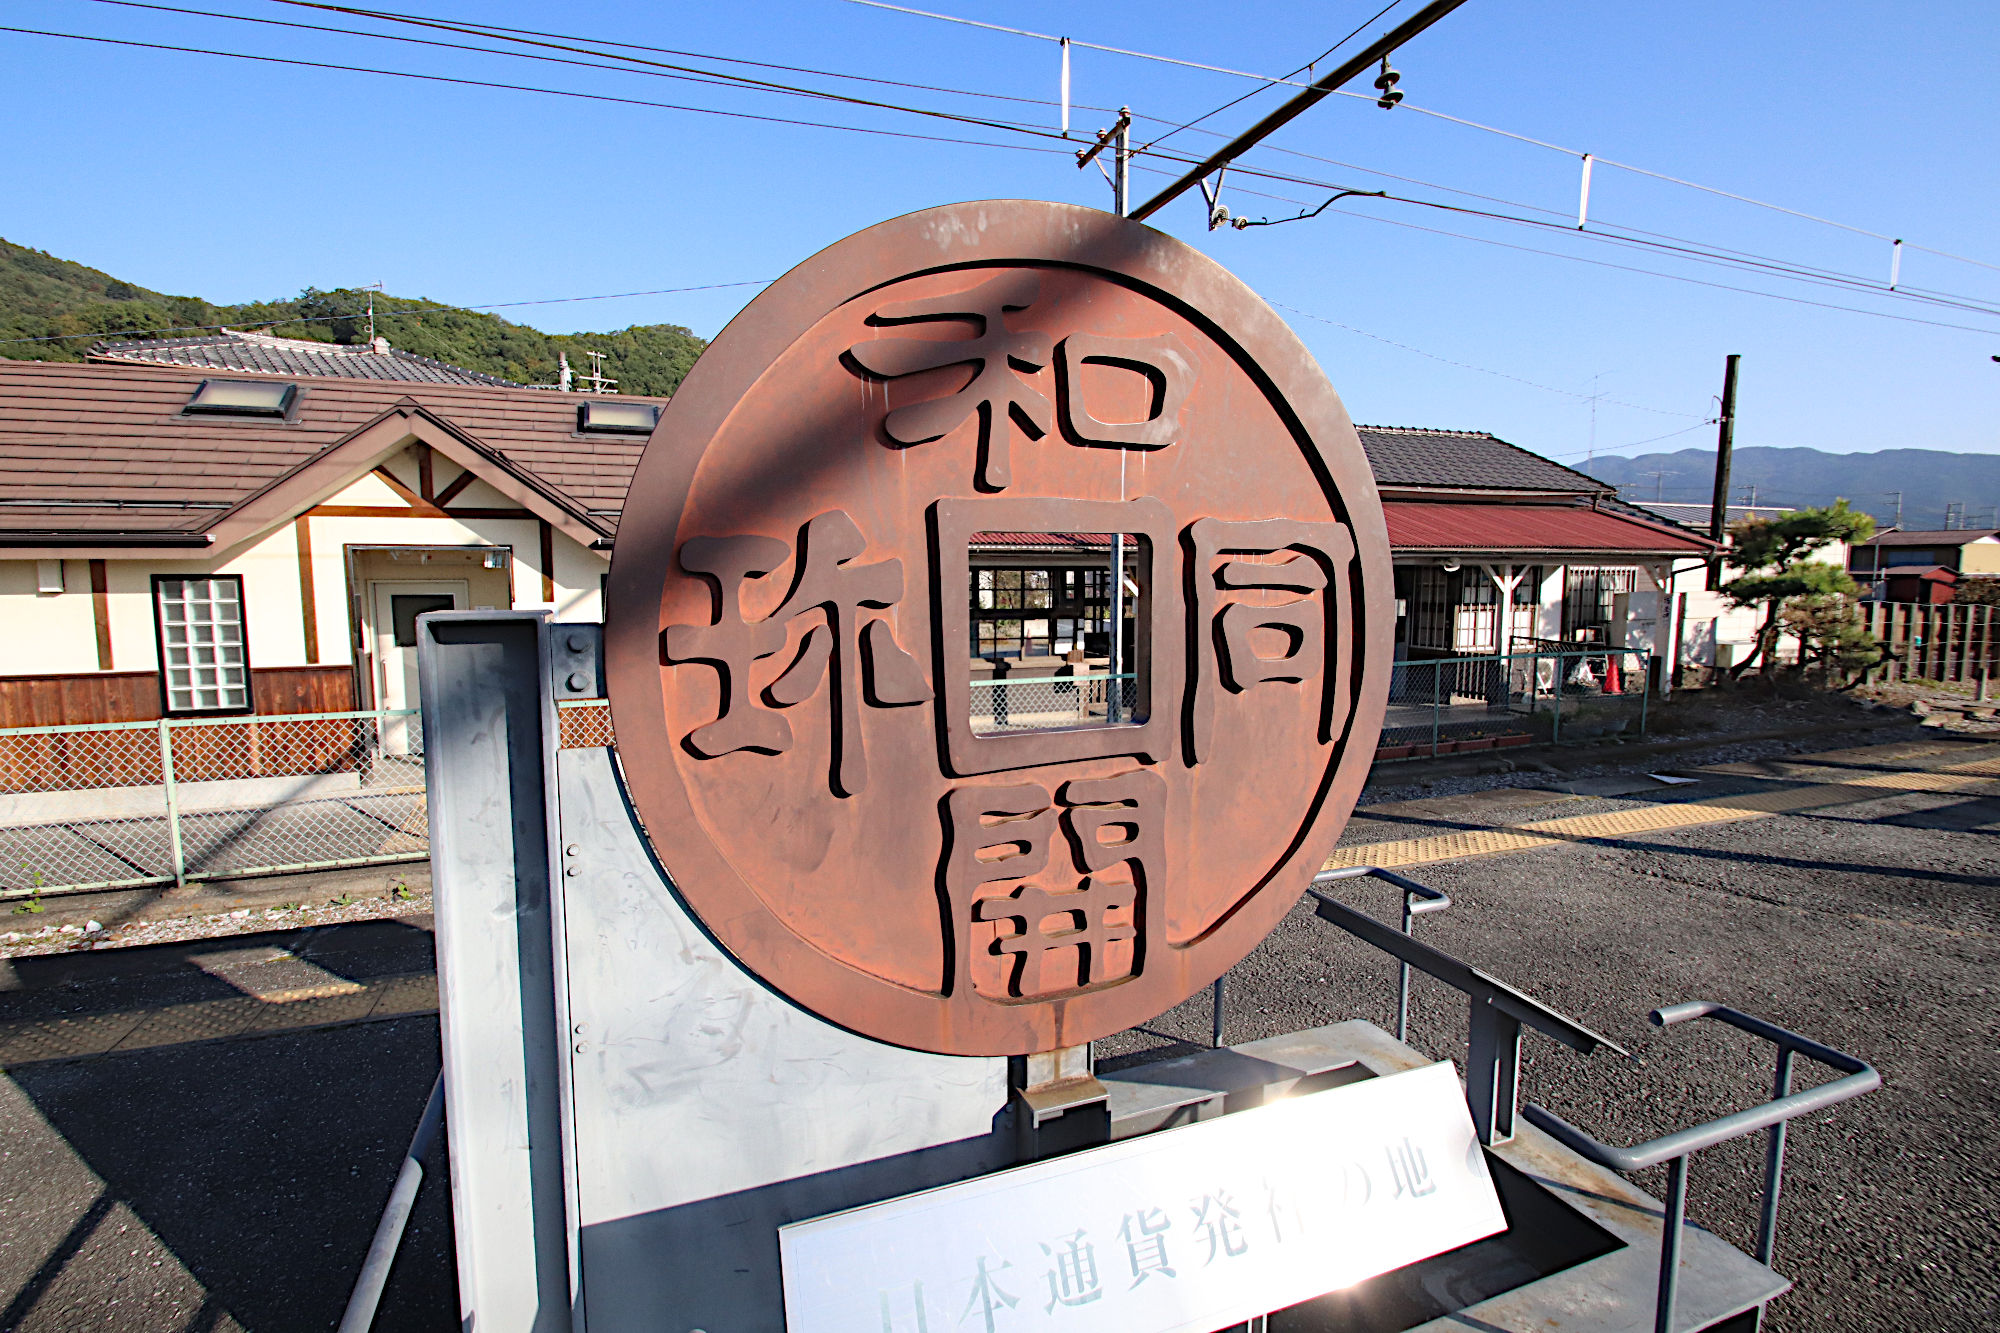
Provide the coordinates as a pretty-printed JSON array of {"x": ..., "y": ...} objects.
[
  {"x": 598, "y": 382},
  {"x": 371, "y": 289}
]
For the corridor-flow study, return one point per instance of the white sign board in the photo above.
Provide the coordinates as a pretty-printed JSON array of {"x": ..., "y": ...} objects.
[{"x": 1190, "y": 1229}]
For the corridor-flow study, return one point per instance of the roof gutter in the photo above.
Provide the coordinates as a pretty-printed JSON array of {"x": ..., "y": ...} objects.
[{"x": 120, "y": 540}]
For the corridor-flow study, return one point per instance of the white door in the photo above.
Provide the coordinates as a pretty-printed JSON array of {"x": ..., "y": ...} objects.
[{"x": 392, "y": 632}]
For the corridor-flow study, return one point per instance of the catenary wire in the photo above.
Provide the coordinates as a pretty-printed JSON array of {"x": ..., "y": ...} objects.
[
  {"x": 1628, "y": 268},
  {"x": 624, "y": 65},
  {"x": 904, "y": 135},
  {"x": 1237, "y": 101},
  {"x": 1742, "y": 259},
  {"x": 556, "y": 92},
  {"x": 1473, "y": 124}
]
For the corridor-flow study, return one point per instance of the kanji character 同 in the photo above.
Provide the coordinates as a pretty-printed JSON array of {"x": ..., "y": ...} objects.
[
  {"x": 996, "y": 390},
  {"x": 1310, "y": 572}
]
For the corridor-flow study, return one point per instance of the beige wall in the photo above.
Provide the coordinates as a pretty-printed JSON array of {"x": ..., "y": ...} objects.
[
  {"x": 56, "y": 634},
  {"x": 1980, "y": 557},
  {"x": 46, "y": 634}
]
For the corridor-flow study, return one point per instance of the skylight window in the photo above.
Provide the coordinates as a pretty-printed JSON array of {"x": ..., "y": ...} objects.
[
  {"x": 243, "y": 398},
  {"x": 617, "y": 418}
]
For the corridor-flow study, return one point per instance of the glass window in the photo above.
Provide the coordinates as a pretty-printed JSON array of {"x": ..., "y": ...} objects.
[
  {"x": 617, "y": 418},
  {"x": 204, "y": 662},
  {"x": 243, "y": 398}
]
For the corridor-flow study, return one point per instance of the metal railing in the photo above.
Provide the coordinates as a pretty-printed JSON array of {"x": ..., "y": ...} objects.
[
  {"x": 1676, "y": 1148},
  {"x": 136, "y": 804},
  {"x": 1498, "y": 1013},
  {"x": 1448, "y": 705},
  {"x": 1036, "y": 703}
]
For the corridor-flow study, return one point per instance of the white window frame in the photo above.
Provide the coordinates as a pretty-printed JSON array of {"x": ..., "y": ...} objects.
[{"x": 204, "y": 644}]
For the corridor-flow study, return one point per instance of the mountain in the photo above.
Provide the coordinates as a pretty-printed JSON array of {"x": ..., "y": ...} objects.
[
  {"x": 1929, "y": 480},
  {"x": 43, "y": 297}
]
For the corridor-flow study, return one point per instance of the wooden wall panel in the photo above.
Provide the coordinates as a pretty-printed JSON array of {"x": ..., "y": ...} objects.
[
  {"x": 97, "y": 696},
  {"x": 316, "y": 689}
]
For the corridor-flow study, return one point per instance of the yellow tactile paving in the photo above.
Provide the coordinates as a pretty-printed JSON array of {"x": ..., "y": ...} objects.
[{"x": 1655, "y": 817}]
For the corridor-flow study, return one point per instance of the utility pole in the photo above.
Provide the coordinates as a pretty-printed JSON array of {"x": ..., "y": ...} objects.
[
  {"x": 1659, "y": 476},
  {"x": 1356, "y": 65},
  {"x": 1725, "y": 445},
  {"x": 1899, "y": 508},
  {"x": 1114, "y": 694}
]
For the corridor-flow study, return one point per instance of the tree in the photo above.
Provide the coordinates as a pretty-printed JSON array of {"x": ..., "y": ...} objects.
[
  {"x": 1775, "y": 557},
  {"x": 1832, "y": 636}
]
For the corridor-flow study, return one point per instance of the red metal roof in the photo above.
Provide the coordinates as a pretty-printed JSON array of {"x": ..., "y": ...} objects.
[{"x": 1416, "y": 525}]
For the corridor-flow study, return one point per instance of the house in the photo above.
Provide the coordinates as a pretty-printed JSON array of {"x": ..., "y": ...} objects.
[
  {"x": 1717, "y": 634},
  {"x": 238, "y": 524},
  {"x": 243, "y": 523},
  {"x": 1878, "y": 562},
  {"x": 1476, "y": 523}
]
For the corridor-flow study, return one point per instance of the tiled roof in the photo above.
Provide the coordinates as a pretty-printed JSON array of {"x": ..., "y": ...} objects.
[
  {"x": 1696, "y": 516},
  {"x": 1936, "y": 537},
  {"x": 106, "y": 448},
  {"x": 1466, "y": 460},
  {"x": 1422, "y": 525},
  {"x": 262, "y": 354}
]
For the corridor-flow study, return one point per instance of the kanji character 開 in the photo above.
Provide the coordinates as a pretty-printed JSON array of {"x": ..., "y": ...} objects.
[
  {"x": 996, "y": 390},
  {"x": 1145, "y": 1237},
  {"x": 1102, "y": 911},
  {"x": 1219, "y": 1223},
  {"x": 988, "y": 1296},
  {"x": 849, "y": 646},
  {"x": 1072, "y": 1274},
  {"x": 1281, "y": 1205}
]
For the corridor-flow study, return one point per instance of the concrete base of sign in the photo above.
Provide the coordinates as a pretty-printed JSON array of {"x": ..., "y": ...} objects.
[{"x": 632, "y": 1115}]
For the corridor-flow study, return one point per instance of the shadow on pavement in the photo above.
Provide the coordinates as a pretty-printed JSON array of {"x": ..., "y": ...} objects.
[{"x": 263, "y": 1165}]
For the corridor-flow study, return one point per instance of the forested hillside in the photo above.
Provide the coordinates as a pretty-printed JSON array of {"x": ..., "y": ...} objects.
[{"x": 43, "y": 297}]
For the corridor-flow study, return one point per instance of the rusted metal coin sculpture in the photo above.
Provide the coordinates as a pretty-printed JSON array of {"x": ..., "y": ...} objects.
[{"x": 814, "y": 609}]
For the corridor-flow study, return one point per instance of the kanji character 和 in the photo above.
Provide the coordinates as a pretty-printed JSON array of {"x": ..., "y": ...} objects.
[
  {"x": 843, "y": 648},
  {"x": 996, "y": 391}
]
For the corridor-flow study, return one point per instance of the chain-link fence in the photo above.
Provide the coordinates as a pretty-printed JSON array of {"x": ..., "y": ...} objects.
[
  {"x": 118, "y": 805},
  {"x": 1452, "y": 705},
  {"x": 1038, "y": 703}
]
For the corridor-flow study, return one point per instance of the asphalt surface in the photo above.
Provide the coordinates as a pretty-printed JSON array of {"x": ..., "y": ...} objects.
[
  {"x": 1869, "y": 926},
  {"x": 232, "y": 1183}
]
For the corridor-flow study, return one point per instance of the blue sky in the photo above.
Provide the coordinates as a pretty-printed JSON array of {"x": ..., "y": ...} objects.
[{"x": 234, "y": 181}]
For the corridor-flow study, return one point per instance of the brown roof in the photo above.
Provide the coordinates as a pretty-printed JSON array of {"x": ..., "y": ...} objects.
[
  {"x": 93, "y": 451},
  {"x": 1421, "y": 526}
]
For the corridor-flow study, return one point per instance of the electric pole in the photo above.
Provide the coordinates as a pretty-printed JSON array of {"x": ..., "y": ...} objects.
[{"x": 1725, "y": 444}]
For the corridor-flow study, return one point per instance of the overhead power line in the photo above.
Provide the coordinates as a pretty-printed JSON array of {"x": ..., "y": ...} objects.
[
  {"x": 1270, "y": 81},
  {"x": 548, "y": 92}
]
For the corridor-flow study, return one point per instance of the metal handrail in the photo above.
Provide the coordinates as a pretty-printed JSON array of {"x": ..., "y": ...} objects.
[
  {"x": 359, "y": 1316},
  {"x": 227, "y": 720},
  {"x": 1497, "y": 1010},
  {"x": 1675, "y": 1148},
  {"x": 1418, "y": 900}
]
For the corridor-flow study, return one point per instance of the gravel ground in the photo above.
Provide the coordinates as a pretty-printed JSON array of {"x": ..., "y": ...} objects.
[
  {"x": 23, "y": 940},
  {"x": 1869, "y": 926}
]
